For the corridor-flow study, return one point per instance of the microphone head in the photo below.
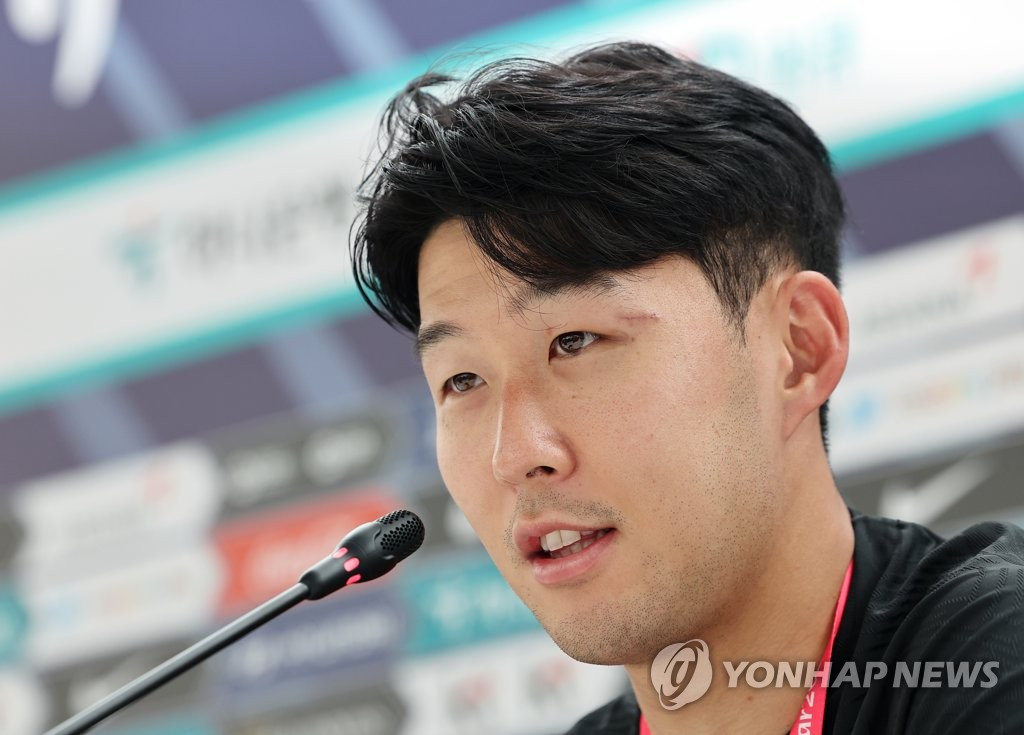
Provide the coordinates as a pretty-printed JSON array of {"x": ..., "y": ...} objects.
[
  {"x": 367, "y": 552},
  {"x": 402, "y": 533}
]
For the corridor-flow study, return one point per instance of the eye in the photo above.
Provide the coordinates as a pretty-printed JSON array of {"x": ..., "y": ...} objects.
[
  {"x": 571, "y": 343},
  {"x": 462, "y": 382}
]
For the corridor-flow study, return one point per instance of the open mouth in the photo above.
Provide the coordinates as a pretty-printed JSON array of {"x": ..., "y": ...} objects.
[{"x": 562, "y": 543}]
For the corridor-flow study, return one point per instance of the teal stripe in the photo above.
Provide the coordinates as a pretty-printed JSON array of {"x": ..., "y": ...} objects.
[
  {"x": 177, "y": 726},
  {"x": 13, "y": 625},
  {"x": 169, "y": 352},
  {"x": 485, "y": 607},
  {"x": 921, "y": 134}
]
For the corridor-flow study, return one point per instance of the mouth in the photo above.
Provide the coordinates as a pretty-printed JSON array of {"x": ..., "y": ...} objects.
[{"x": 559, "y": 553}]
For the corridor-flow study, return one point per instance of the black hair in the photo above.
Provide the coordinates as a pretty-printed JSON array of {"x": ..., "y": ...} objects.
[{"x": 607, "y": 161}]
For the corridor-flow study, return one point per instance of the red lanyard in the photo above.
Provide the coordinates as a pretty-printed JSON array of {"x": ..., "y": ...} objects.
[{"x": 812, "y": 714}]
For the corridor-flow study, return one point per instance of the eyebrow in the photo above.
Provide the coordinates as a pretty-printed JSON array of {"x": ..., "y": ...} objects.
[
  {"x": 435, "y": 332},
  {"x": 525, "y": 298},
  {"x": 600, "y": 284}
]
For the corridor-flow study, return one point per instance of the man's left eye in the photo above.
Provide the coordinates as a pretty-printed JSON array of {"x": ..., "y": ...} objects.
[{"x": 571, "y": 343}]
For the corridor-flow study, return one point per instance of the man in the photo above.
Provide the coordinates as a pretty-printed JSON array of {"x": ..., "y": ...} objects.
[{"x": 622, "y": 273}]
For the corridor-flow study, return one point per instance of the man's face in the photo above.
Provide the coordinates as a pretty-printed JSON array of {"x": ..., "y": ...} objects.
[{"x": 628, "y": 418}]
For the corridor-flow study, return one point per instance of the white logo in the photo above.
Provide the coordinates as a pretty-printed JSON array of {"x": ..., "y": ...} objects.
[
  {"x": 681, "y": 673},
  {"x": 84, "y": 30}
]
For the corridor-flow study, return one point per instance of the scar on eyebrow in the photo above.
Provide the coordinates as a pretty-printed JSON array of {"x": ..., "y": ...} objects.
[{"x": 640, "y": 316}]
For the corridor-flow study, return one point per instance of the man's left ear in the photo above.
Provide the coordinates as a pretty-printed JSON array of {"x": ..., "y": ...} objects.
[{"x": 816, "y": 334}]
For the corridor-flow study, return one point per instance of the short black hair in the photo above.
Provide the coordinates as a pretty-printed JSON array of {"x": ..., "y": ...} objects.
[{"x": 607, "y": 161}]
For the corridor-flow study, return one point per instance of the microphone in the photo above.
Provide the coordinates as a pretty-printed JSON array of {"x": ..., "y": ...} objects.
[{"x": 367, "y": 552}]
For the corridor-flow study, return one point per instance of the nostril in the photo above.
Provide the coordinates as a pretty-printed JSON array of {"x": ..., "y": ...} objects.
[{"x": 542, "y": 470}]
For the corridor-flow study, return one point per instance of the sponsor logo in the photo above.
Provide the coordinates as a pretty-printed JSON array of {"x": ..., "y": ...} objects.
[
  {"x": 219, "y": 243},
  {"x": 84, "y": 35},
  {"x": 89, "y": 517},
  {"x": 266, "y": 469}
]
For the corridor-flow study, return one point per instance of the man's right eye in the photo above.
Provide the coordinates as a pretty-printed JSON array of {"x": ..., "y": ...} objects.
[{"x": 462, "y": 382}]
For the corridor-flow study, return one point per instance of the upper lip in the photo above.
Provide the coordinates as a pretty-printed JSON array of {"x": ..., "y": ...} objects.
[{"x": 528, "y": 534}]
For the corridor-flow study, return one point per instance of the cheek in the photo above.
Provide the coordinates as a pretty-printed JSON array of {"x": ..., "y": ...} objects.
[
  {"x": 646, "y": 406},
  {"x": 675, "y": 423},
  {"x": 464, "y": 459}
]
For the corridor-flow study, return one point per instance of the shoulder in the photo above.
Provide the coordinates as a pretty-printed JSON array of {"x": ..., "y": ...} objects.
[
  {"x": 904, "y": 559},
  {"x": 971, "y": 595},
  {"x": 966, "y": 629},
  {"x": 945, "y": 616},
  {"x": 933, "y": 594},
  {"x": 621, "y": 716}
]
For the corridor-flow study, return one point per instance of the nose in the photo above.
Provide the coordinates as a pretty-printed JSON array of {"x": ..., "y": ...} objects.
[{"x": 528, "y": 445}]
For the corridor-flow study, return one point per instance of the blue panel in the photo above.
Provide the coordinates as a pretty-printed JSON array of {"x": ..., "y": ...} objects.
[
  {"x": 362, "y": 36},
  {"x": 428, "y": 23},
  {"x": 926, "y": 194},
  {"x": 32, "y": 444},
  {"x": 219, "y": 392},
  {"x": 234, "y": 53},
  {"x": 388, "y": 355},
  {"x": 35, "y": 132},
  {"x": 325, "y": 646},
  {"x": 137, "y": 87},
  {"x": 100, "y": 425},
  {"x": 321, "y": 377}
]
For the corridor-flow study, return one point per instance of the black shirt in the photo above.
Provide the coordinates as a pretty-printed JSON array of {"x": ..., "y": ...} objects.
[{"x": 915, "y": 598}]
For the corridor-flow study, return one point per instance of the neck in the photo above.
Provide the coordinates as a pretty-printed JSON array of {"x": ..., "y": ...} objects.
[{"x": 785, "y": 615}]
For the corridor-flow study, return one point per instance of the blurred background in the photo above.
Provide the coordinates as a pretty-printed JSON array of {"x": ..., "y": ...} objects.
[{"x": 195, "y": 406}]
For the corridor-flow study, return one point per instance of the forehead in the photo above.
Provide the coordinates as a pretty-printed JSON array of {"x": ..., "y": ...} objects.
[
  {"x": 453, "y": 272},
  {"x": 462, "y": 294}
]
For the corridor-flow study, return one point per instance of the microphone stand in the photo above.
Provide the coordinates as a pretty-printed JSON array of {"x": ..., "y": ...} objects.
[{"x": 190, "y": 657}]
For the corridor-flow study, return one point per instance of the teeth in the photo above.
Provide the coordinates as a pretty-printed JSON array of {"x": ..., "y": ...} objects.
[
  {"x": 568, "y": 538},
  {"x": 557, "y": 539},
  {"x": 564, "y": 542}
]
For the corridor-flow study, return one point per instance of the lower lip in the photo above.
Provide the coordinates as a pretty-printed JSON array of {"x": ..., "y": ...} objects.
[{"x": 551, "y": 571}]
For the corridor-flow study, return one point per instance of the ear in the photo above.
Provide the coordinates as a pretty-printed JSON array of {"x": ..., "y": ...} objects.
[{"x": 816, "y": 335}]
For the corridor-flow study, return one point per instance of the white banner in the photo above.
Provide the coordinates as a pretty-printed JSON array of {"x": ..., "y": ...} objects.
[
  {"x": 247, "y": 229},
  {"x": 927, "y": 405},
  {"x": 141, "y": 602},
  {"x": 935, "y": 294},
  {"x": 90, "y": 519},
  {"x": 512, "y": 686}
]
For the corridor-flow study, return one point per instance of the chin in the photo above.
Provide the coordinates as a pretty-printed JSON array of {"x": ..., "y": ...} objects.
[
  {"x": 588, "y": 653},
  {"x": 600, "y": 640}
]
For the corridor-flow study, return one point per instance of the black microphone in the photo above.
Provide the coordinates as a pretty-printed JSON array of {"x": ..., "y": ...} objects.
[{"x": 367, "y": 552}]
